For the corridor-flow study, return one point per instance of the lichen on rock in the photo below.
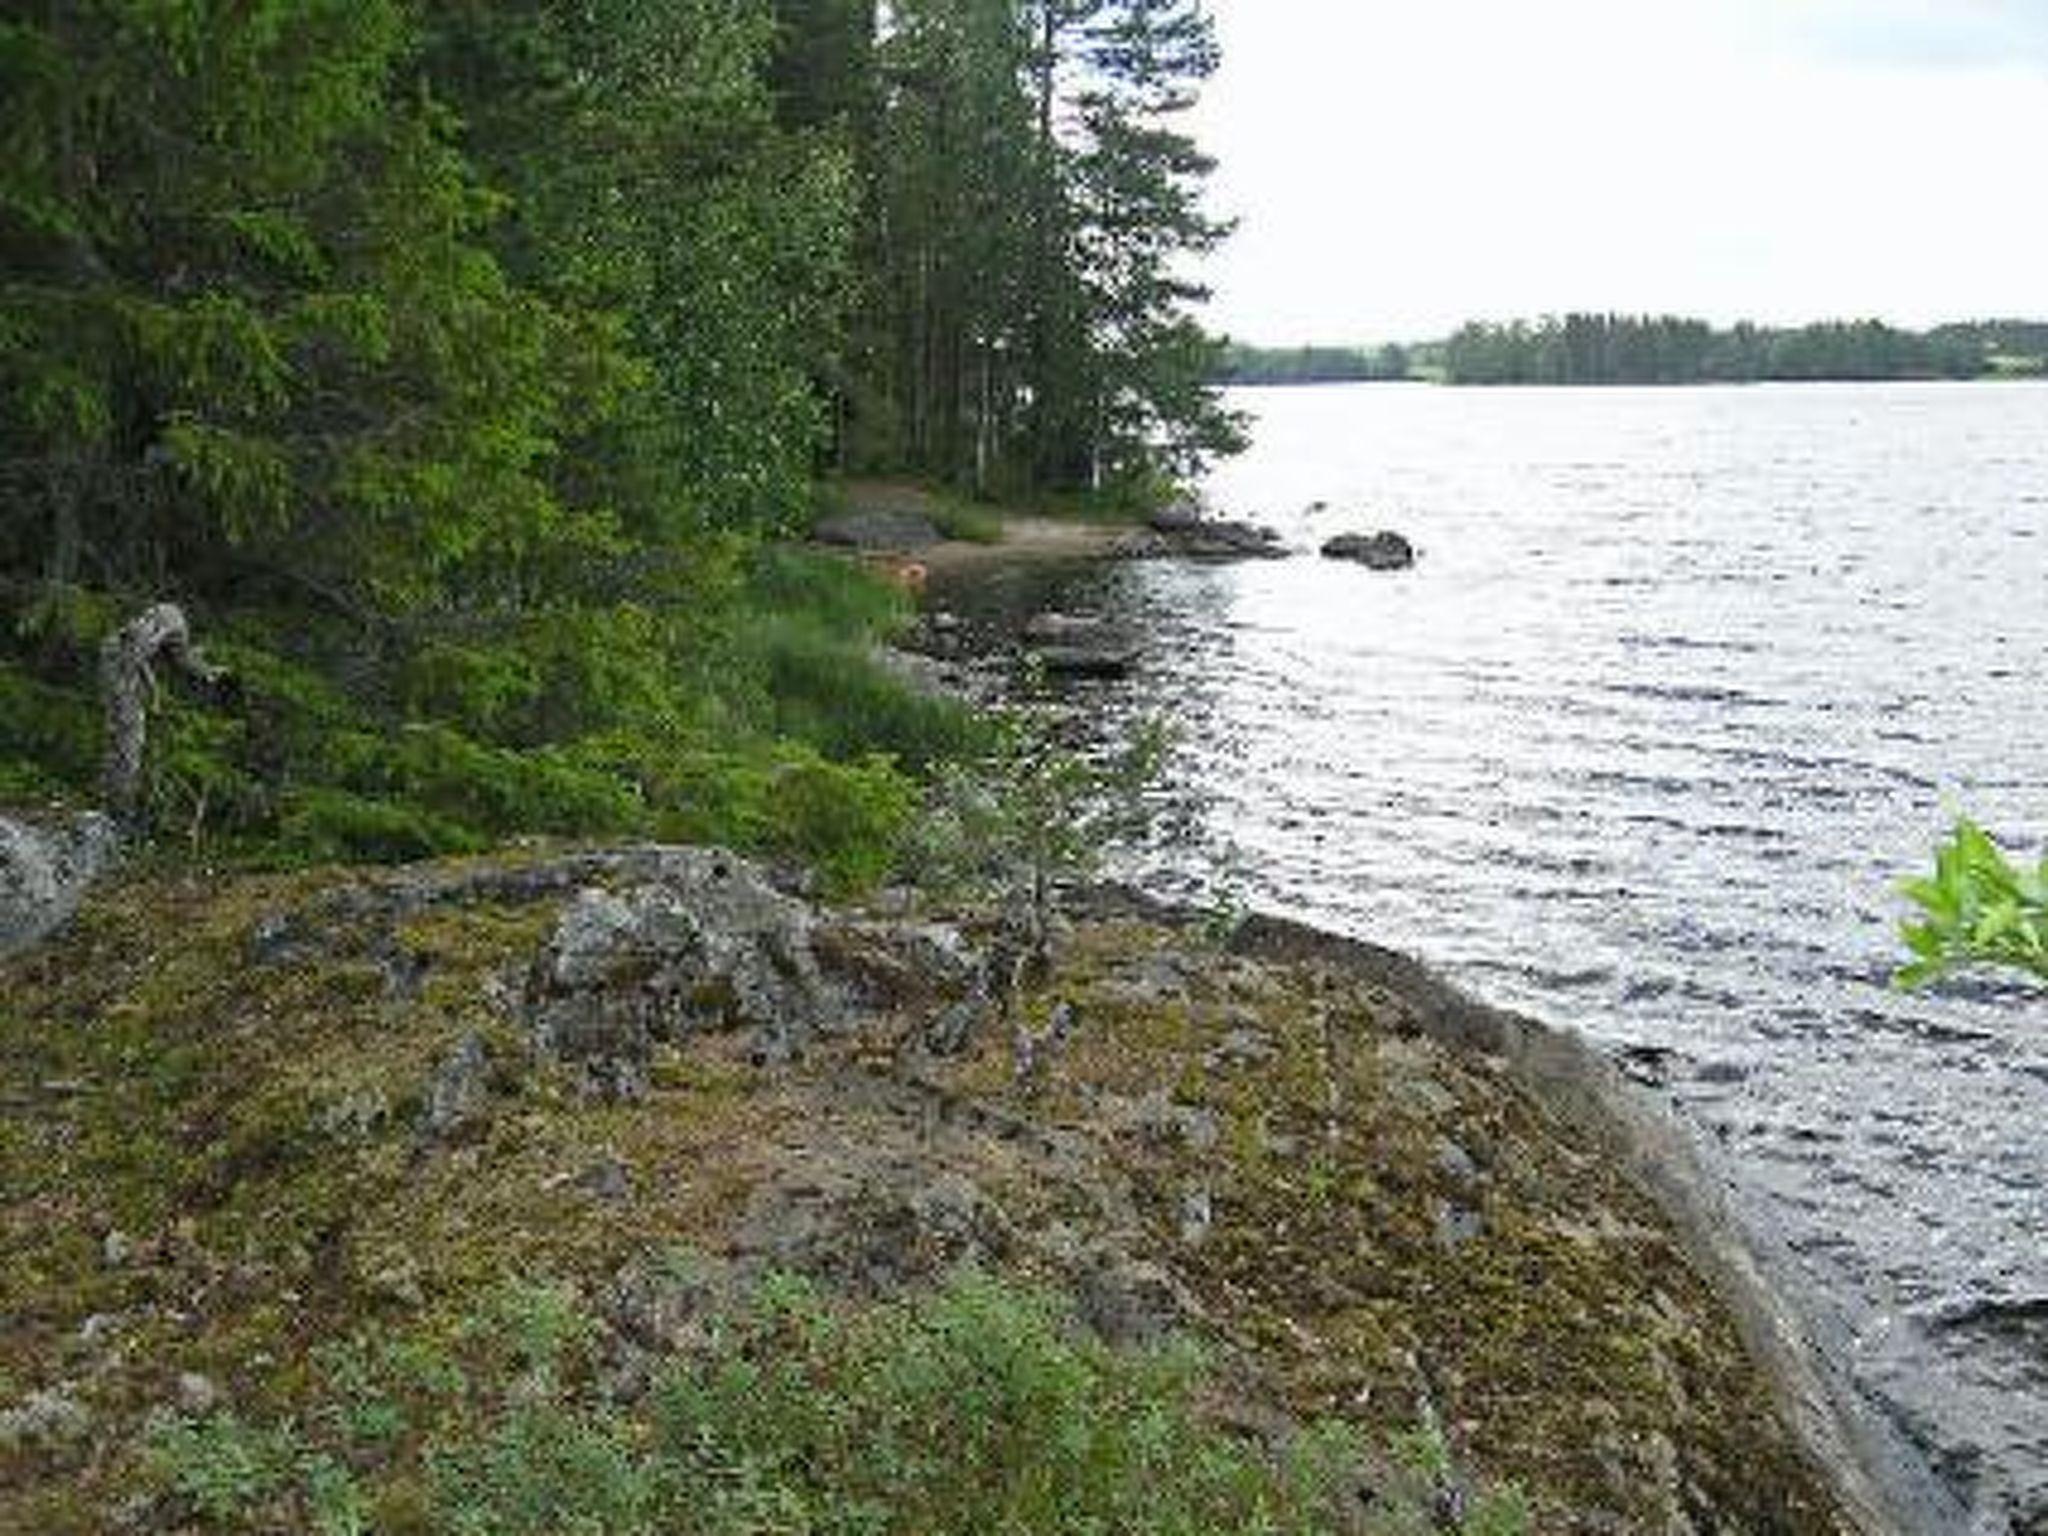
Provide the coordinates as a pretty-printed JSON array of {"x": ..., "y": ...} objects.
[{"x": 1361, "y": 1216}]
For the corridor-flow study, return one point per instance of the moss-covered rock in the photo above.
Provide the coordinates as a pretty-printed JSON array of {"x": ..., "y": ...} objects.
[{"x": 228, "y": 1150}]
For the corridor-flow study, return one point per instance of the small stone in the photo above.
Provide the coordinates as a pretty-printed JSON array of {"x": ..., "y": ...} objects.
[
  {"x": 49, "y": 1417},
  {"x": 1244, "y": 1048},
  {"x": 1159, "y": 1119},
  {"x": 459, "y": 1091},
  {"x": 116, "y": 1249},
  {"x": 1455, "y": 1163},
  {"x": 1129, "y": 1302},
  {"x": 608, "y": 1178},
  {"x": 1457, "y": 1225},
  {"x": 660, "y": 1303},
  {"x": 99, "y": 1329},
  {"x": 1278, "y": 1143},
  {"x": 1425, "y": 1096},
  {"x": 1197, "y": 1215},
  {"x": 196, "y": 1393},
  {"x": 954, "y": 1027},
  {"x": 398, "y": 1283},
  {"x": 271, "y": 938},
  {"x": 1650, "y": 1065}
]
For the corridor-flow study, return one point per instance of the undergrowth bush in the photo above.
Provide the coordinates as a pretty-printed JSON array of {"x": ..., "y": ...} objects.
[
  {"x": 982, "y": 1407},
  {"x": 747, "y": 708}
]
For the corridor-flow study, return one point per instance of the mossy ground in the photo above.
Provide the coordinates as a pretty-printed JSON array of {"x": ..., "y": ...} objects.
[{"x": 212, "y": 1164}]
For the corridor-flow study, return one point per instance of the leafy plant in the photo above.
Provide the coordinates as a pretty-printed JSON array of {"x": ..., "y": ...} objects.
[
  {"x": 223, "y": 1466},
  {"x": 983, "y": 1406},
  {"x": 1981, "y": 910},
  {"x": 1031, "y": 816}
]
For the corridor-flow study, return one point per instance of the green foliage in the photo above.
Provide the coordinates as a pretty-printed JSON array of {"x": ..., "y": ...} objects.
[
  {"x": 654, "y": 185},
  {"x": 223, "y": 1467},
  {"x": 1313, "y": 365},
  {"x": 1030, "y": 816},
  {"x": 447, "y": 362},
  {"x": 51, "y": 748},
  {"x": 844, "y": 701},
  {"x": 847, "y": 819},
  {"x": 1980, "y": 910},
  {"x": 749, "y": 710},
  {"x": 981, "y": 1407},
  {"x": 1034, "y": 206}
]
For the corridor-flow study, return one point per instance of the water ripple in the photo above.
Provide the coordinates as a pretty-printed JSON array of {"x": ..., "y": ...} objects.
[{"x": 1683, "y": 683}]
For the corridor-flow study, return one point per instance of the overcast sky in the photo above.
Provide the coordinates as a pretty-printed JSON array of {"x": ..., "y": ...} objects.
[{"x": 1401, "y": 165}]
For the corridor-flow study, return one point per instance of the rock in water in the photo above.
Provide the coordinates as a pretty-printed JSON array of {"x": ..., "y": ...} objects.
[
  {"x": 1201, "y": 539},
  {"x": 1382, "y": 551},
  {"x": 44, "y": 874},
  {"x": 1055, "y": 628},
  {"x": 1087, "y": 660}
]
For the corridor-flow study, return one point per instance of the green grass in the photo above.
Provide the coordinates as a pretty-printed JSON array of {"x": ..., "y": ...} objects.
[
  {"x": 967, "y": 522},
  {"x": 982, "y": 1407},
  {"x": 746, "y": 708}
]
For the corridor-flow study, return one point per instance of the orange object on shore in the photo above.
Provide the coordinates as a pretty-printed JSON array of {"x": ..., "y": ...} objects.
[{"x": 903, "y": 574}]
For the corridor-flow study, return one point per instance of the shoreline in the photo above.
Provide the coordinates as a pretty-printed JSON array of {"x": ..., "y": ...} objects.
[
  {"x": 1793, "y": 1333},
  {"x": 1026, "y": 536},
  {"x": 1883, "y": 1483},
  {"x": 1021, "y": 533}
]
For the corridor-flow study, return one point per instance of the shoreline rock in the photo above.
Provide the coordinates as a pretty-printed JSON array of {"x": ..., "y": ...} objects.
[
  {"x": 1376, "y": 1196},
  {"x": 1182, "y": 538}
]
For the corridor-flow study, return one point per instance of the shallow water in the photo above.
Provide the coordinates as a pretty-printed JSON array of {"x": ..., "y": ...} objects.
[{"x": 1684, "y": 683}]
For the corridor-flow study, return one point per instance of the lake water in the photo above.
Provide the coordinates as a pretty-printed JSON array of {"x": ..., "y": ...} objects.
[{"x": 1684, "y": 683}]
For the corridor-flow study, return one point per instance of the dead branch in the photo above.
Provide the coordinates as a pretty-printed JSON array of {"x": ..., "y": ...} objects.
[{"x": 128, "y": 684}]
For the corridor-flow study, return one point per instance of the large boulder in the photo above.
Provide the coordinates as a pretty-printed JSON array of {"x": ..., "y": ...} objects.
[
  {"x": 45, "y": 873},
  {"x": 1079, "y": 645},
  {"x": 702, "y": 942},
  {"x": 708, "y": 945},
  {"x": 1382, "y": 551}
]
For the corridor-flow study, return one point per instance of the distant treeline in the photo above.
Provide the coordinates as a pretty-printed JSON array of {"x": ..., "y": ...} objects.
[
  {"x": 1314, "y": 365},
  {"x": 1663, "y": 349}
]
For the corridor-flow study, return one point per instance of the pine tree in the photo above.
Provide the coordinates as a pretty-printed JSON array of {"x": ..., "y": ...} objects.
[
  {"x": 1036, "y": 210},
  {"x": 247, "y": 330}
]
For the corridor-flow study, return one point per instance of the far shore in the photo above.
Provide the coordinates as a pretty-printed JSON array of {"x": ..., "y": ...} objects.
[{"x": 1020, "y": 534}]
